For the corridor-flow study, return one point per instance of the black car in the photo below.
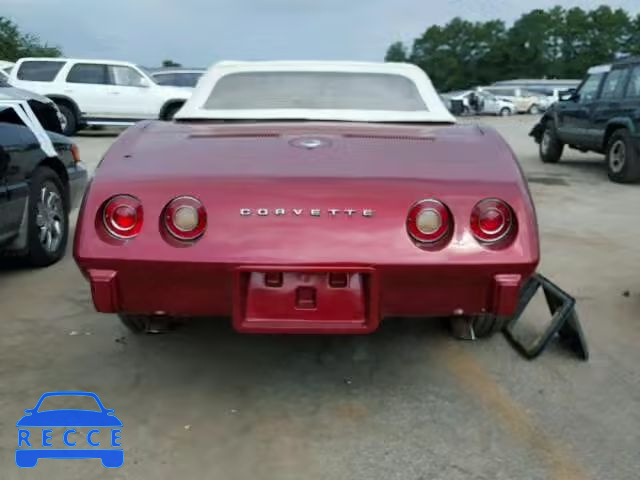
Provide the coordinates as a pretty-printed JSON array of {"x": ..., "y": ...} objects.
[
  {"x": 41, "y": 178},
  {"x": 602, "y": 115}
]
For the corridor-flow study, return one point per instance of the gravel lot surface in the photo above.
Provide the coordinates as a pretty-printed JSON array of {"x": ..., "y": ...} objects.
[{"x": 408, "y": 402}]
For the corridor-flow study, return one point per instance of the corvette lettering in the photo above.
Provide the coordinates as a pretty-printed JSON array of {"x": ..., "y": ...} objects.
[{"x": 313, "y": 212}]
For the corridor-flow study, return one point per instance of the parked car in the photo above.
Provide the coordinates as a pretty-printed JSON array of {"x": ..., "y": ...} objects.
[
  {"x": 311, "y": 197},
  {"x": 552, "y": 94},
  {"x": 602, "y": 115},
  {"x": 487, "y": 103},
  {"x": 45, "y": 109},
  {"x": 178, "y": 77},
  {"x": 41, "y": 179},
  {"x": 98, "y": 92},
  {"x": 524, "y": 100},
  {"x": 550, "y": 88},
  {"x": 490, "y": 104},
  {"x": 457, "y": 101}
]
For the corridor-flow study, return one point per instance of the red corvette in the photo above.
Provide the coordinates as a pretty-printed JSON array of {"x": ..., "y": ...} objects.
[{"x": 308, "y": 197}]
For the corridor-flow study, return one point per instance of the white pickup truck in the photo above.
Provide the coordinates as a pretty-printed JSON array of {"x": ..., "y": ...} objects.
[{"x": 98, "y": 92}]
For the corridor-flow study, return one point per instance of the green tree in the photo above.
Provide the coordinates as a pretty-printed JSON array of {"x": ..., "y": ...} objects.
[
  {"x": 549, "y": 43},
  {"x": 633, "y": 44},
  {"x": 170, "y": 63},
  {"x": 591, "y": 38},
  {"x": 15, "y": 45},
  {"x": 460, "y": 53},
  {"x": 397, "y": 52},
  {"x": 532, "y": 42}
]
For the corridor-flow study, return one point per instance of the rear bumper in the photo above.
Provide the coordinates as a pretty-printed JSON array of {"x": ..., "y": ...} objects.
[{"x": 241, "y": 291}]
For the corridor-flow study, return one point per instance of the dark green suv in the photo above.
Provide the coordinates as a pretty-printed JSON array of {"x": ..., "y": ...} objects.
[{"x": 601, "y": 115}]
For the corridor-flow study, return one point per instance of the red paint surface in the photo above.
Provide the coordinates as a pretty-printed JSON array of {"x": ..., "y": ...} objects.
[{"x": 384, "y": 168}]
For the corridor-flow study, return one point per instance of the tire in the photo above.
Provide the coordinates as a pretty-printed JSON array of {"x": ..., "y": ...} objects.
[
  {"x": 535, "y": 110},
  {"x": 623, "y": 161},
  {"x": 71, "y": 125},
  {"x": 170, "y": 111},
  {"x": 550, "y": 147},
  {"x": 48, "y": 219},
  {"x": 505, "y": 112},
  {"x": 486, "y": 325}
]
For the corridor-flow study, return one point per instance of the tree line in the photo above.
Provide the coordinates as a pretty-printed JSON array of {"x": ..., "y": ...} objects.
[
  {"x": 553, "y": 43},
  {"x": 14, "y": 44}
]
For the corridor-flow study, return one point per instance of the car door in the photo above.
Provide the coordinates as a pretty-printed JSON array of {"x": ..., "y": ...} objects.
[
  {"x": 574, "y": 115},
  {"x": 132, "y": 93},
  {"x": 489, "y": 103},
  {"x": 608, "y": 106},
  {"x": 632, "y": 97},
  {"x": 13, "y": 185},
  {"x": 88, "y": 85},
  {"x": 5, "y": 159},
  {"x": 507, "y": 93}
]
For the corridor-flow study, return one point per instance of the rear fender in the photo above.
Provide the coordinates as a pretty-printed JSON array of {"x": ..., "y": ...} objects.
[
  {"x": 68, "y": 101},
  {"x": 615, "y": 124},
  {"x": 537, "y": 131}
]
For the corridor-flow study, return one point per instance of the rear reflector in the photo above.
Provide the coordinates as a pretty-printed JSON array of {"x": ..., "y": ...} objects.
[
  {"x": 429, "y": 221},
  {"x": 75, "y": 153},
  {"x": 122, "y": 216}
]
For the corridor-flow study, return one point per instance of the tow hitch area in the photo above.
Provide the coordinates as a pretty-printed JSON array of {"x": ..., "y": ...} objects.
[{"x": 564, "y": 321}]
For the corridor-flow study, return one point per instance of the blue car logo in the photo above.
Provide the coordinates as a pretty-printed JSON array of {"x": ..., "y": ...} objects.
[{"x": 34, "y": 443}]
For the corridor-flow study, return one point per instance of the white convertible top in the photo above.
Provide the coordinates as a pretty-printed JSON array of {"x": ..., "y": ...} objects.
[{"x": 416, "y": 97}]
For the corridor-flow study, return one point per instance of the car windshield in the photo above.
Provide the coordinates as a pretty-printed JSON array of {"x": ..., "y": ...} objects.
[
  {"x": 65, "y": 402},
  {"x": 315, "y": 90}
]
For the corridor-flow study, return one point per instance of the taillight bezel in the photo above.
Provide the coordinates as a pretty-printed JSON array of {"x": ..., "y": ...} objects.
[
  {"x": 168, "y": 214},
  {"x": 500, "y": 235},
  {"x": 111, "y": 205},
  {"x": 438, "y": 236}
]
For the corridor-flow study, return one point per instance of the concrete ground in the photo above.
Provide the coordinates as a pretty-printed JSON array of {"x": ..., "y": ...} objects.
[{"x": 408, "y": 402}]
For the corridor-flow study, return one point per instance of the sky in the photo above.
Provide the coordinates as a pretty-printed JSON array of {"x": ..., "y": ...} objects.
[{"x": 201, "y": 32}]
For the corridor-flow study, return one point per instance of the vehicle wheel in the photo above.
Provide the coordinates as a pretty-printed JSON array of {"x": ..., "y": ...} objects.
[
  {"x": 171, "y": 111},
  {"x": 70, "y": 124},
  {"x": 145, "y": 323},
  {"x": 623, "y": 162},
  {"x": 486, "y": 324},
  {"x": 550, "y": 146},
  {"x": 48, "y": 227},
  {"x": 466, "y": 110},
  {"x": 505, "y": 112},
  {"x": 535, "y": 110}
]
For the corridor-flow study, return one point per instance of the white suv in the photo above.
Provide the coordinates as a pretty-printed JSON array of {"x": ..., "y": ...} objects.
[{"x": 98, "y": 92}]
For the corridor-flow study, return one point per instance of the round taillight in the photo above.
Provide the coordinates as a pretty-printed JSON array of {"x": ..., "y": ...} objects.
[
  {"x": 429, "y": 221},
  {"x": 185, "y": 218},
  {"x": 122, "y": 216},
  {"x": 491, "y": 220}
]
